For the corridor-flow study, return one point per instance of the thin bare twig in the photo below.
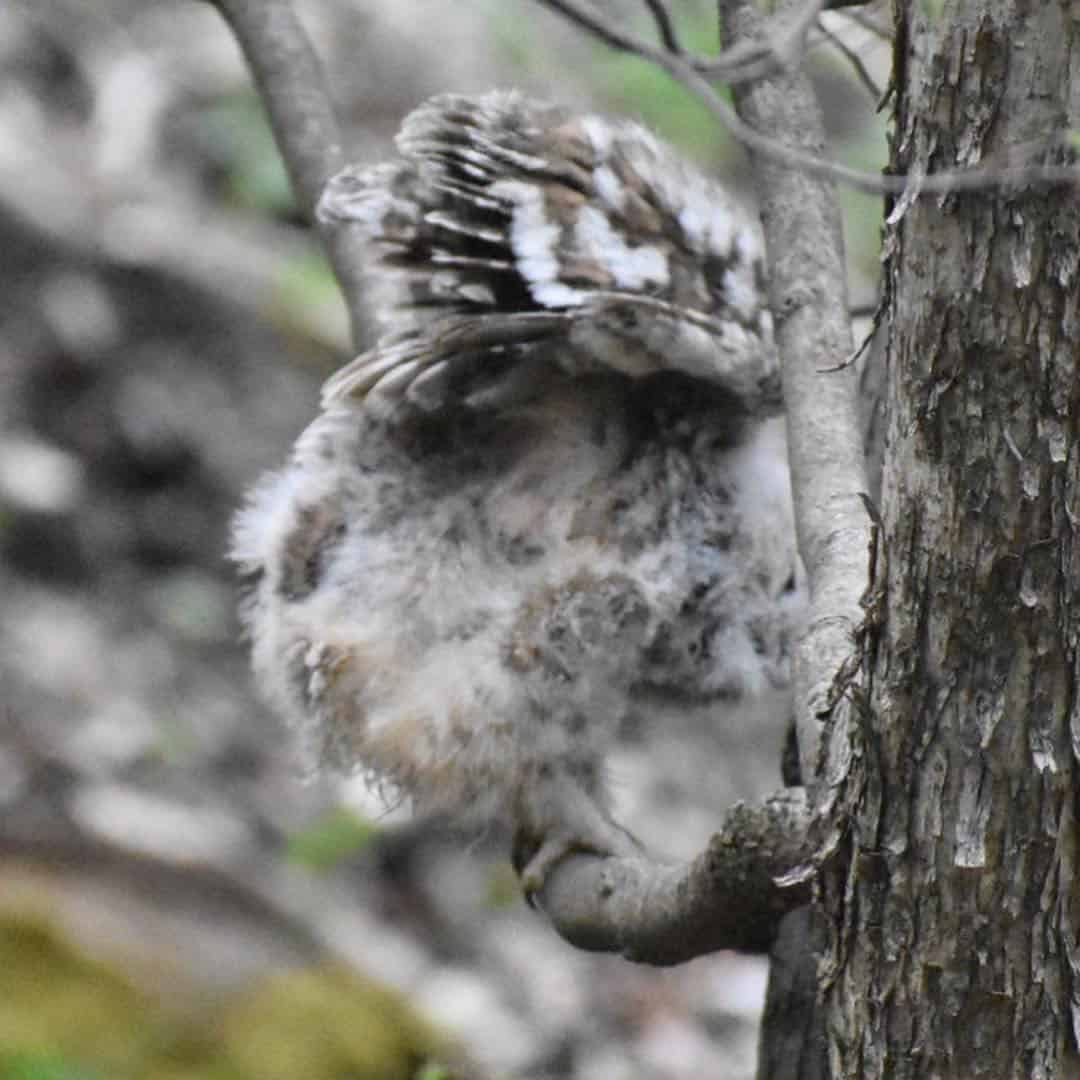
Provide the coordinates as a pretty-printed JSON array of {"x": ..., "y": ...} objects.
[
  {"x": 868, "y": 22},
  {"x": 600, "y": 27},
  {"x": 669, "y": 38},
  {"x": 854, "y": 59},
  {"x": 747, "y": 61},
  {"x": 979, "y": 178},
  {"x": 741, "y": 63},
  {"x": 293, "y": 90}
]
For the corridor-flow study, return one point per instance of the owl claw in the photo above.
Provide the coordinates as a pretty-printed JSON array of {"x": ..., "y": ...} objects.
[
  {"x": 552, "y": 851},
  {"x": 560, "y": 843}
]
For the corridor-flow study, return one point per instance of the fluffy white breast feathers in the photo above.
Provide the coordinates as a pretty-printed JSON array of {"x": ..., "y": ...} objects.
[{"x": 548, "y": 499}]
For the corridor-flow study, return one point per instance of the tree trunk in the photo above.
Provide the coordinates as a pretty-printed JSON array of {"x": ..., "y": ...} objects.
[{"x": 955, "y": 908}]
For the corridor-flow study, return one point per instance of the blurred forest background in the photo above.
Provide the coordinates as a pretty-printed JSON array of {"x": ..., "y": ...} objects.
[{"x": 175, "y": 901}]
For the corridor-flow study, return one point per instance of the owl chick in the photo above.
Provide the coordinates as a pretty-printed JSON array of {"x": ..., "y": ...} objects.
[{"x": 548, "y": 497}]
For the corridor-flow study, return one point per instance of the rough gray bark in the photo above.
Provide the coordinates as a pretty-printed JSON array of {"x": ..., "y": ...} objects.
[
  {"x": 955, "y": 941},
  {"x": 726, "y": 898},
  {"x": 808, "y": 295},
  {"x": 792, "y": 1044},
  {"x": 801, "y": 219}
]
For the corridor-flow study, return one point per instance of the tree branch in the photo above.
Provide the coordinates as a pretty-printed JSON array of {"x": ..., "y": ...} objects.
[
  {"x": 726, "y": 898},
  {"x": 292, "y": 87},
  {"x": 664, "y": 26},
  {"x": 807, "y": 282},
  {"x": 757, "y": 58},
  {"x": 749, "y": 61},
  {"x": 862, "y": 73}
]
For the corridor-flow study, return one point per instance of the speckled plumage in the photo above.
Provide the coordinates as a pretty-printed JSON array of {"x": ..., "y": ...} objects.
[{"x": 551, "y": 494}]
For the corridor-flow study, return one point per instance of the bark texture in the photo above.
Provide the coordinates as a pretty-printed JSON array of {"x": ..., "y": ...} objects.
[
  {"x": 955, "y": 946},
  {"x": 800, "y": 218},
  {"x": 726, "y": 898}
]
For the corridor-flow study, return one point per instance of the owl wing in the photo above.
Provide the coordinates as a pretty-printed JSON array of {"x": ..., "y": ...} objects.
[{"x": 515, "y": 239}]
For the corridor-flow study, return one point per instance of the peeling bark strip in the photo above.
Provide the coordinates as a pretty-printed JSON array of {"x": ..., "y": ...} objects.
[{"x": 956, "y": 942}]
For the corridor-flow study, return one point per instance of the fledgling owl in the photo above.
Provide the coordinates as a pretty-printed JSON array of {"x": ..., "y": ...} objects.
[{"x": 547, "y": 497}]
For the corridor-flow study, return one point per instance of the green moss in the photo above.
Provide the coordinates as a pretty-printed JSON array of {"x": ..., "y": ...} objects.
[
  {"x": 65, "y": 1016},
  {"x": 326, "y": 1024},
  {"x": 433, "y": 1072},
  {"x": 61, "y": 1007}
]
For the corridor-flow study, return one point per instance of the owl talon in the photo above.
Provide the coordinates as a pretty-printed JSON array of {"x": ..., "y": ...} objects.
[
  {"x": 557, "y": 845},
  {"x": 552, "y": 851}
]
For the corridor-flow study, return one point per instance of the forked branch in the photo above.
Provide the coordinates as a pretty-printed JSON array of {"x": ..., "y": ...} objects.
[{"x": 777, "y": 48}]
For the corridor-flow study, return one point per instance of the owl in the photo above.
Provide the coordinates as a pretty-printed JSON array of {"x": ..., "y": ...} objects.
[{"x": 550, "y": 497}]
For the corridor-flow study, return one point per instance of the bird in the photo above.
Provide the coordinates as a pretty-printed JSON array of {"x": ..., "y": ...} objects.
[{"x": 547, "y": 498}]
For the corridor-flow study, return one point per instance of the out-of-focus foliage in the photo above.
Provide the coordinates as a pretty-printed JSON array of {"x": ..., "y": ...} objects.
[
  {"x": 433, "y": 1072},
  {"x": 307, "y": 299},
  {"x": 330, "y": 840},
  {"x": 235, "y": 132},
  {"x": 503, "y": 887},
  {"x": 327, "y": 1023},
  {"x": 649, "y": 94},
  {"x": 626, "y": 85}
]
